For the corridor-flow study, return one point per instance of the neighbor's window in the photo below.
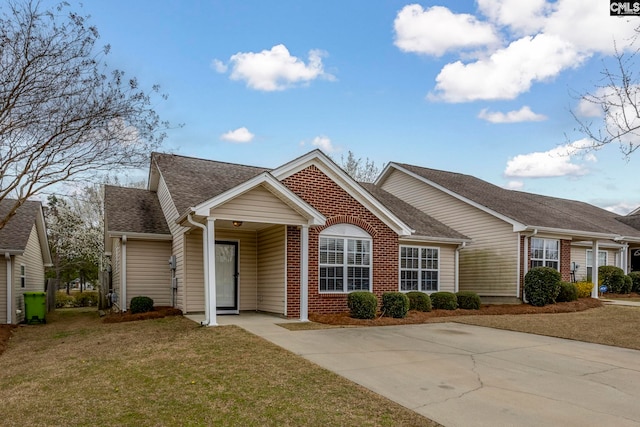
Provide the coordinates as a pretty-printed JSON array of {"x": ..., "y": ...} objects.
[
  {"x": 602, "y": 260},
  {"x": 419, "y": 269},
  {"x": 345, "y": 259},
  {"x": 23, "y": 276},
  {"x": 545, "y": 253}
]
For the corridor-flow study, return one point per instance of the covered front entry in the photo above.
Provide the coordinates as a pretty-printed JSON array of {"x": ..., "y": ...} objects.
[{"x": 227, "y": 277}]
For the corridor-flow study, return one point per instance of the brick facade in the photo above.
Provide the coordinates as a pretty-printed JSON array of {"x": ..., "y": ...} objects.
[{"x": 339, "y": 207}]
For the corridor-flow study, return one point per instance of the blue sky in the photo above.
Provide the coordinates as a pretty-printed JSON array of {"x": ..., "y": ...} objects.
[{"x": 478, "y": 87}]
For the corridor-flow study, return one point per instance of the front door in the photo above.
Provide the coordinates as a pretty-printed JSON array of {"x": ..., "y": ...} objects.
[
  {"x": 635, "y": 259},
  {"x": 226, "y": 277}
]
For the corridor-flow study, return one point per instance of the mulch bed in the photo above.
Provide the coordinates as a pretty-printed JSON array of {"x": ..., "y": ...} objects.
[
  {"x": 157, "y": 313},
  {"x": 414, "y": 317}
]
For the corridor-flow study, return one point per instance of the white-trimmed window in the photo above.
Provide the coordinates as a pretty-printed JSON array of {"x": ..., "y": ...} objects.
[
  {"x": 545, "y": 253},
  {"x": 345, "y": 259},
  {"x": 602, "y": 260},
  {"x": 419, "y": 268},
  {"x": 23, "y": 276}
]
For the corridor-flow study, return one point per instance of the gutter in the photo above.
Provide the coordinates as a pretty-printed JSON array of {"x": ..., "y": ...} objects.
[
  {"x": 205, "y": 248},
  {"x": 7, "y": 257}
]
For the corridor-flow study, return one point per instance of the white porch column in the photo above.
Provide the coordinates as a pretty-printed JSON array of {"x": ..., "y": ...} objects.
[
  {"x": 123, "y": 275},
  {"x": 210, "y": 304},
  {"x": 594, "y": 269},
  {"x": 7, "y": 256},
  {"x": 304, "y": 273}
]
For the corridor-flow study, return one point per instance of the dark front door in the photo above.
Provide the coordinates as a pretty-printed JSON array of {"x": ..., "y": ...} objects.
[
  {"x": 227, "y": 277},
  {"x": 635, "y": 259}
]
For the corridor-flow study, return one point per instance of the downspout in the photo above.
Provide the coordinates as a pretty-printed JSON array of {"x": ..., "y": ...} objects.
[
  {"x": 7, "y": 256},
  {"x": 456, "y": 280},
  {"x": 123, "y": 274},
  {"x": 205, "y": 264},
  {"x": 526, "y": 259}
]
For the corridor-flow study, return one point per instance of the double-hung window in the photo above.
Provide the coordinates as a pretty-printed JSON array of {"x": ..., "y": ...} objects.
[
  {"x": 345, "y": 259},
  {"x": 23, "y": 276},
  {"x": 545, "y": 253},
  {"x": 602, "y": 260},
  {"x": 419, "y": 268}
]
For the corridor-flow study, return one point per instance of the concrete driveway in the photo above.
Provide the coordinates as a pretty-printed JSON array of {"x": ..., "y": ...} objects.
[{"x": 462, "y": 375}]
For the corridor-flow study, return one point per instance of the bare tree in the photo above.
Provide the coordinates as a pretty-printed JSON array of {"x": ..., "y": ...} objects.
[
  {"x": 617, "y": 101},
  {"x": 64, "y": 114},
  {"x": 358, "y": 169}
]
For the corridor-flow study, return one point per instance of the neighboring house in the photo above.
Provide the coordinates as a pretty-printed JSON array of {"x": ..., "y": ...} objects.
[
  {"x": 216, "y": 237},
  {"x": 633, "y": 219},
  {"x": 512, "y": 231},
  {"x": 25, "y": 249}
]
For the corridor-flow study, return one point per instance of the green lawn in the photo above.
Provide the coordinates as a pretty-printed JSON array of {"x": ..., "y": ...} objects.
[{"x": 77, "y": 371}]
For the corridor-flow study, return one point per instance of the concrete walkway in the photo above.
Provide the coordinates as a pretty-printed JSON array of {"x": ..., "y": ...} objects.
[{"x": 463, "y": 375}]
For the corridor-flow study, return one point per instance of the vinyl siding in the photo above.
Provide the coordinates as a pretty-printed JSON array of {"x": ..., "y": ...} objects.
[
  {"x": 488, "y": 265},
  {"x": 3, "y": 290},
  {"x": 34, "y": 272},
  {"x": 171, "y": 214},
  {"x": 446, "y": 273},
  {"x": 271, "y": 269},
  {"x": 247, "y": 264},
  {"x": 258, "y": 205},
  {"x": 579, "y": 256},
  {"x": 148, "y": 272},
  {"x": 116, "y": 268}
]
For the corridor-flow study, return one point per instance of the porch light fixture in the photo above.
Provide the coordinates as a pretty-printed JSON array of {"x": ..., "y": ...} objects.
[{"x": 237, "y": 223}]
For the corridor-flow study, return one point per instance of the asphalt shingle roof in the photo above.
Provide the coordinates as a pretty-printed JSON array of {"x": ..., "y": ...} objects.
[
  {"x": 529, "y": 209},
  {"x": 423, "y": 224},
  {"x": 15, "y": 234},
  {"x": 133, "y": 210},
  {"x": 192, "y": 181}
]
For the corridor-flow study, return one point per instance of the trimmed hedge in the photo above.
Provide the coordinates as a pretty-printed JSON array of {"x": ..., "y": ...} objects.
[
  {"x": 419, "y": 301},
  {"x": 635, "y": 281},
  {"x": 468, "y": 300},
  {"x": 584, "y": 289},
  {"x": 395, "y": 304},
  {"x": 141, "y": 304},
  {"x": 362, "y": 305},
  {"x": 444, "y": 300},
  {"x": 568, "y": 292},
  {"x": 613, "y": 278},
  {"x": 542, "y": 286}
]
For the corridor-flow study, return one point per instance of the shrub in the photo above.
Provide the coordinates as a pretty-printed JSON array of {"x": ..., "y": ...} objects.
[
  {"x": 362, "y": 305},
  {"x": 64, "y": 300},
  {"x": 86, "y": 299},
  {"x": 568, "y": 292},
  {"x": 395, "y": 304},
  {"x": 635, "y": 281},
  {"x": 613, "y": 278},
  {"x": 141, "y": 304},
  {"x": 444, "y": 300},
  {"x": 419, "y": 301},
  {"x": 542, "y": 286},
  {"x": 468, "y": 300},
  {"x": 628, "y": 285},
  {"x": 584, "y": 289}
]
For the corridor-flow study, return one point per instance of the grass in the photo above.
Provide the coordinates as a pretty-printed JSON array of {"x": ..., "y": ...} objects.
[
  {"x": 79, "y": 371},
  {"x": 610, "y": 325}
]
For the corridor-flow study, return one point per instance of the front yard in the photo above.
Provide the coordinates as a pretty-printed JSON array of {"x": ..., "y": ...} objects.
[{"x": 77, "y": 370}]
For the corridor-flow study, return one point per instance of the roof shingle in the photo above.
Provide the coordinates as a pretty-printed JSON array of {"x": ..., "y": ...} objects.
[
  {"x": 15, "y": 234},
  {"x": 133, "y": 210}
]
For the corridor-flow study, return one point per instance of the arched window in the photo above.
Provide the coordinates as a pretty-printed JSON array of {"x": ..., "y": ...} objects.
[{"x": 345, "y": 259}]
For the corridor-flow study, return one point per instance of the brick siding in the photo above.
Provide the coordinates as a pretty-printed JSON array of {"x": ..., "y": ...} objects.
[{"x": 339, "y": 207}]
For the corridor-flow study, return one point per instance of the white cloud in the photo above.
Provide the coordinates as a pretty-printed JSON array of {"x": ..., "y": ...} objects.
[
  {"x": 506, "y": 73},
  {"x": 325, "y": 144},
  {"x": 559, "y": 161},
  {"x": 514, "y": 185},
  {"x": 274, "y": 69},
  {"x": 540, "y": 40},
  {"x": 436, "y": 30},
  {"x": 219, "y": 66},
  {"x": 522, "y": 115},
  {"x": 621, "y": 208},
  {"x": 239, "y": 136}
]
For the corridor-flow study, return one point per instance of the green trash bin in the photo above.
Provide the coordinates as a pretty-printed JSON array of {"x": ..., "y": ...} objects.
[{"x": 35, "y": 307}]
